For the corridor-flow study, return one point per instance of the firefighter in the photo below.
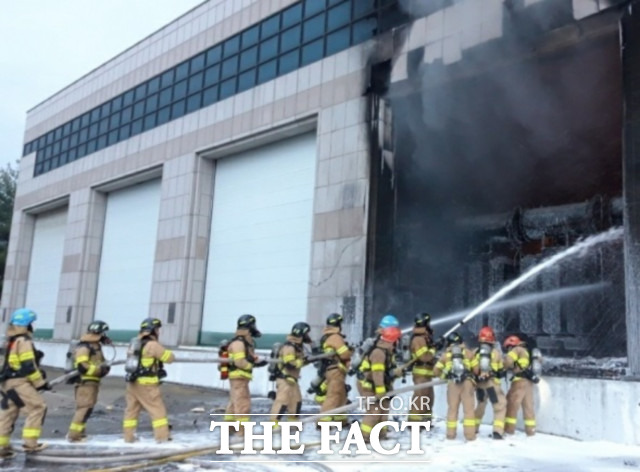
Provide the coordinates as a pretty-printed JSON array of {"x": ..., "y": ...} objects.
[
  {"x": 21, "y": 380},
  {"x": 375, "y": 375},
  {"x": 242, "y": 360},
  {"x": 291, "y": 359},
  {"x": 458, "y": 365},
  {"x": 518, "y": 361},
  {"x": 90, "y": 363},
  {"x": 143, "y": 385},
  {"x": 488, "y": 383},
  {"x": 335, "y": 368},
  {"x": 423, "y": 353}
]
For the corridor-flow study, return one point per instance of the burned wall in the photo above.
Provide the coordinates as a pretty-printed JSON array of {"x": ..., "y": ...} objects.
[{"x": 529, "y": 120}]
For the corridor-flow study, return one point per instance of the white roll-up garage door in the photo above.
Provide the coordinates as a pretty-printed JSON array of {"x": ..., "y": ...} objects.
[
  {"x": 128, "y": 254},
  {"x": 260, "y": 246},
  {"x": 45, "y": 267}
]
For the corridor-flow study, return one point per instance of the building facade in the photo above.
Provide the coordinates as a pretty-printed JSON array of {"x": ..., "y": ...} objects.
[{"x": 294, "y": 158}]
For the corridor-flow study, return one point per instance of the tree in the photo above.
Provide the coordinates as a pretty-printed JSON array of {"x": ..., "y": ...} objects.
[{"x": 8, "y": 181}]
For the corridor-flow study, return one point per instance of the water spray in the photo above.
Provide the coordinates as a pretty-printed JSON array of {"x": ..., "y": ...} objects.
[{"x": 577, "y": 249}]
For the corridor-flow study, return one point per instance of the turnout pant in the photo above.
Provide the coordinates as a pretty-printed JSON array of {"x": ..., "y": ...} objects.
[
  {"x": 490, "y": 391},
  {"x": 239, "y": 406},
  {"x": 336, "y": 394},
  {"x": 461, "y": 393},
  {"x": 288, "y": 400},
  {"x": 148, "y": 397},
  {"x": 422, "y": 400},
  {"x": 520, "y": 394},
  {"x": 86, "y": 398},
  {"x": 20, "y": 394},
  {"x": 376, "y": 410}
]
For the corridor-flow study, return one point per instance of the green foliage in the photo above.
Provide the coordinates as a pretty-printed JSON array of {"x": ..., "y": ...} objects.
[{"x": 8, "y": 180}]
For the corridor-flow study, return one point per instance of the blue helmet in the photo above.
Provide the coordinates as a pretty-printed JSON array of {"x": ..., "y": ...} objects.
[
  {"x": 389, "y": 321},
  {"x": 23, "y": 317}
]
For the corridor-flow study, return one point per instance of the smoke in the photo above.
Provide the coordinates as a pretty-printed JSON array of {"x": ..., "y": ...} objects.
[{"x": 494, "y": 116}]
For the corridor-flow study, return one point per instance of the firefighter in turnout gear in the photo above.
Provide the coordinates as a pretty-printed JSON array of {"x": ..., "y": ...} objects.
[
  {"x": 90, "y": 363},
  {"x": 423, "y": 354},
  {"x": 21, "y": 380},
  {"x": 375, "y": 375},
  {"x": 291, "y": 359},
  {"x": 517, "y": 360},
  {"x": 143, "y": 384},
  {"x": 242, "y": 360},
  {"x": 335, "y": 368},
  {"x": 459, "y": 366},
  {"x": 488, "y": 385}
]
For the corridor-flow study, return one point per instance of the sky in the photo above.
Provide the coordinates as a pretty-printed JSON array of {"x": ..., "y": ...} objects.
[{"x": 47, "y": 44}]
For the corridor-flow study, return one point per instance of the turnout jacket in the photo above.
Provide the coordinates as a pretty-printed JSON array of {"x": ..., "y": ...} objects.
[
  {"x": 21, "y": 364},
  {"x": 423, "y": 353},
  {"x": 333, "y": 343},
  {"x": 88, "y": 358},
  {"x": 241, "y": 355}
]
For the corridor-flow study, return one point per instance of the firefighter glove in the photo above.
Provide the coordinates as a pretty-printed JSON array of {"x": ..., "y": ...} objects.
[
  {"x": 44, "y": 386},
  {"x": 104, "y": 370}
]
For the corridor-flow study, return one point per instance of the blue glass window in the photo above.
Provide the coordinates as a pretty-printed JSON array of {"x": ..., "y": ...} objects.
[
  {"x": 152, "y": 103},
  {"x": 270, "y": 26},
  {"x": 164, "y": 115},
  {"x": 227, "y": 88},
  {"x": 338, "y": 41},
  {"x": 127, "y": 99},
  {"x": 165, "y": 97},
  {"x": 290, "y": 39},
  {"x": 250, "y": 36},
  {"x": 364, "y": 30},
  {"x": 289, "y": 62},
  {"x": 269, "y": 49},
  {"x": 195, "y": 82},
  {"x": 249, "y": 58},
  {"x": 267, "y": 71},
  {"x": 182, "y": 70},
  {"x": 112, "y": 137},
  {"x": 312, "y": 52},
  {"x": 231, "y": 46},
  {"x": 247, "y": 80},
  {"x": 193, "y": 102},
  {"x": 114, "y": 121},
  {"x": 363, "y": 7},
  {"x": 213, "y": 55},
  {"x": 197, "y": 63},
  {"x": 125, "y": 132},
  {"x": 229, "y": 67},
  {"x": 211, "y": 75},
  {"x": 125, "y": 116},
  {"x": 104, "y": 126},
  {"x": 154, "y": 85},
  {"x": 313, "y": 6},
  {"x": 291, "y": 15},
  {"x": 180, "y": 90},
  {"x": 149, "y": 121},
  {"x": 138, "y": 110},
  {"x": 210, "y": 96},
  {"x": 339, "y": 16},
  {"x": 141, "y": 91},
  {"x": 136, "y": 127},
  {"x": 177, "y": 109},
  {"x": 166, "y": 79}
]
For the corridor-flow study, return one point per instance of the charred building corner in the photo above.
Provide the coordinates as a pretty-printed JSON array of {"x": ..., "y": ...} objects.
[{"x": 502, "y": 132}]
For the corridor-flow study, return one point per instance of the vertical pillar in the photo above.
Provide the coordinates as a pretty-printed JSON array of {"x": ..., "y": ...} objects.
[
  {"x": 80, "y": 263},
  {"x": 179, "y": 273},
  {"x": 630, "y": 25}
]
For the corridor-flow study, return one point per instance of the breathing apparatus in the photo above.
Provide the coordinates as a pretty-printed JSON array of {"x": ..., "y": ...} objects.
[
  {"x": 536, "y": 365},
  {"x": 223, "y": 353},
  {"x": 485, "y": 359},
  {"x": 273, "y": 369}
]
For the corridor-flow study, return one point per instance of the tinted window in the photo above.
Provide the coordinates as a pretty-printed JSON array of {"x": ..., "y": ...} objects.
[
  {"x": 154, "y": 85},
  {"x": 231, "y": 46},
  {"x": 227, "y": 88},
  {"x": 289, "y": 62},
  {"x": 125, "y": 131},
  {"x": 164, "y": 114},
  {"x": 127, "y": 99},
  {"x": 136, "y": 127},
  {"x": 104, "y": 126},
  {"x": 210, "y": 96},
  {"x": 105, "y": 109},
  {"x": 211, "y": 75},
  {"x": 83, "y": 135},
  {"x": 313, "y": 28},
  {"x": 193, "y": 102},
  {"x": 66, "y": 129},
  {"x": 180, "y": 90},
  {"x": 82, "y": 150},
  {"x": 338, "y": 41},
  {"x": 362, "y": 7},
  {"x": 116, "y": 103},
  {"x": 291, "y": 16},
  {"x": 114, "y": 121},
  {"x": 290, "y": 39},
  {"x": 64, "y": 144},
  {"x": 102, "y": 142},
  {"x": 84, "y": 121},
  {"x": 177, "y": 109},
  {"x": 312, "y": 52},
  {"x": 267, "y": 71},
  {"x": 95, "y": 115},
  {"x": 247, "y": 80},
  {"x": 138, "y": 110},
  {"x": 166, "y": 79},
  {"x": 141, "y": 91},
  {"x": 339, "y": 16},
  {"x": 197, "y": 63},
  {"x": 149, "y": 121},
  {"x": 152, "y": 103},
  {"x": 269, "y": 49},
  {"x": 313, "y": 6},
  {"x": 56, "y": 147},
  {"x": 270, "y": 26},
  {"x": 165, "y": 97},
  {"x": 182, "y": 71},
  {"x": 229, "y": 67},
  {"x": 249, "y": 58},
  {"x": 195, "y": 82},
  {"x": 112, "y": 137},
  {"x": 213, "y": 55},
  {"x": 93, "y": 131},
  {"x": 363, "y": 30},
  {"x": 125, "y": 117},
  {"x": 73, "y": 140},
  {"x": 250, "y": 37}
]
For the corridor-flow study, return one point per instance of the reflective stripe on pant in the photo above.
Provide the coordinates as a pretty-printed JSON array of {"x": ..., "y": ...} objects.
[
  {"x": 239, "y": 406},
  {"x": 491, "y": 392},
  {"x": 86, "y": 398},
  {"x": 22, "y": 395},
  {"x": 461, "y": 393},
  {"x": 376, "y": 411},
  {"x": 149, "y": 398},
  {"x": 520, "y": 394},
  {"x": 288, "y": 399},
  {"x": 422, "y": 400},
  {"x": 336, "y": 394}
]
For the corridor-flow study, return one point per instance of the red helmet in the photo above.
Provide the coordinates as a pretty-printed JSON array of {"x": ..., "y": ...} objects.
[
  {"x": 512, "y": 341},
  {"x": 486, "y": 335},
  {"x": 391, "y": 334}
]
